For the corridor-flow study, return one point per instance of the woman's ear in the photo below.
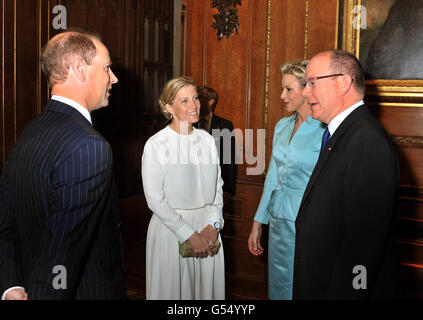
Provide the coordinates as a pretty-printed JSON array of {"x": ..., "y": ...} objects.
[
  {"x": 169, "y": 108},
  {"x": 79, "y": 69}
]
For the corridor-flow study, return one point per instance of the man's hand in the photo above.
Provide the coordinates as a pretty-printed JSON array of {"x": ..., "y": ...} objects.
[{"x": 16, "y": 294}]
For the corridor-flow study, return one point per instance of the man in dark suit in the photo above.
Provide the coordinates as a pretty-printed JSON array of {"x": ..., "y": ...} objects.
[
  {"x": 344, "y": 229},
  {"x": 222, "y": 131},
  {"x": 59, "y": 225}
]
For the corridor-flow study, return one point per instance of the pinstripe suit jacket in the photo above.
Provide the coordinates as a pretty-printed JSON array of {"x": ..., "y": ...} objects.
[{"x": 59, "y": 207}]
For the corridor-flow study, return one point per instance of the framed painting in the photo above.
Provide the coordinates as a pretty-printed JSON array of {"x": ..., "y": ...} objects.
[{"x": 387, "y": 37}]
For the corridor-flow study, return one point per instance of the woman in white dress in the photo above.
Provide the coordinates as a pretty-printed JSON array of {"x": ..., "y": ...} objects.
[{"x": 183, "y": 188}]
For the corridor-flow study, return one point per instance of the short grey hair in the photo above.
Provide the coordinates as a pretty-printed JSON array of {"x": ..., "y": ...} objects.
[
  {"x": 59, "y": 53},
  {"x": 345, "y": 62}
]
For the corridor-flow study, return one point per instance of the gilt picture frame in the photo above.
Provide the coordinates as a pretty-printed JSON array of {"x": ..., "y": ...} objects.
[{"x": 364, "y": 28}]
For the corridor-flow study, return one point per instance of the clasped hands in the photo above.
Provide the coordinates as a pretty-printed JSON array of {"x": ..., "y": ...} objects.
[{"x": 202, "y": 243}]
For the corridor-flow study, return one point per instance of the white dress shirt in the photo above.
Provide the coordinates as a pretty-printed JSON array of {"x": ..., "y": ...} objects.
[
  {"x": 336, "y": 122},
  {"x": 75, "y": 105}
]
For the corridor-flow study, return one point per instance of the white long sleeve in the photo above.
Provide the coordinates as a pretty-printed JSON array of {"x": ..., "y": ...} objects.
[{"x": 182, "y": 172}]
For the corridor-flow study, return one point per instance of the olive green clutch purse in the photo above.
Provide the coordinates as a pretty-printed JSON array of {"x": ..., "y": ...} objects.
[{"x": 185, "y": 249}]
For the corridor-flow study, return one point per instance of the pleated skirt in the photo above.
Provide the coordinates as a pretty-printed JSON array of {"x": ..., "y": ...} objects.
[{"x": 171, "y": 277}]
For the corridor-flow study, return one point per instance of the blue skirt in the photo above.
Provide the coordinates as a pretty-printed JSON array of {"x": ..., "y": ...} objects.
[{"x": 281, "y": 258}]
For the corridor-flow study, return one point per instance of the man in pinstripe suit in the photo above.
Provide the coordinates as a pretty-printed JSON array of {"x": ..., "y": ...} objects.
[{"x": 59, "y": 225}]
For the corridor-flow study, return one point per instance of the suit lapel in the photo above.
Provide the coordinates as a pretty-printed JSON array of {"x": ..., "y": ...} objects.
[{"x": 331, "y": 147}]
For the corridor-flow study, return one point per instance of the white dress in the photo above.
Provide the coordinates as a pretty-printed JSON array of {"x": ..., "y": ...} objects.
[{"x": 183, "y": 188}]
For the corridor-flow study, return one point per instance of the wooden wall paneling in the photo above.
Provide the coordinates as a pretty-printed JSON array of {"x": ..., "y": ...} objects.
[
  {"x": 2, "y": 122},
  {"x": 138, "y": 53},
  {"x": 43, "y": 37},
  {"x": 2, "y": 74},
  {"x": 227, "y": 65},
  {"x": 196, "y": 23},
  {"x": 258, "y": 78},
  {"x": 166, "y": 25},
  {"x": 227, "y": 69},
  {"x": 150, "y": 17},
  {"x": 404, "y": 125},
  {"x": 131, "y": 52},
  {"x": 321, "y": 26},
  {"x": 23, "y": 93},
  {"x": 287, "y": 43},
  {"x": 394, "y": 118},
  {"x": 246, "y": 275},
  {"x": 235, "y": 67},
  {"x": 27, "y": 64},
  {"x": 412, "y": 280},
  {"x": 249, "y": 84},
  {"x": 119, "y": 122},
  {"x": 257, "y": 28},
  {"x": 8, "y": 76},
  {"x": 245, "y": 70}
]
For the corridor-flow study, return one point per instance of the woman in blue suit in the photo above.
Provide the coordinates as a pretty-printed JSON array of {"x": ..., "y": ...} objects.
[{"x": 296, "y": 147}]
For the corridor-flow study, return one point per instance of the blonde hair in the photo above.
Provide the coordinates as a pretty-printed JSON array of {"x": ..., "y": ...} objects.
[
  {"x": 170, "y": 90},
  {"x": 296, "y": 68}
]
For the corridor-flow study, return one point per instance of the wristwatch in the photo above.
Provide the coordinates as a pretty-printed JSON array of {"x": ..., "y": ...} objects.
[{"x": 217, "y": 226}]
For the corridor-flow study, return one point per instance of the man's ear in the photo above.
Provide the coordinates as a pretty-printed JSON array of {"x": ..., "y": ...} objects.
[
  {"x": 79, "y": 69},
  {"x": 345, "y": 83}
]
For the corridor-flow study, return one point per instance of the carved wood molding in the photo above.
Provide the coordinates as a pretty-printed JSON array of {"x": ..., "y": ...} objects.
[
  {"x": 411, "y": 193},
  {"x": 408, "y": 141},
  {"x": 306, "y": 27},
  {"x": 99, "y": 5},
  {"x": 267, "y": 70},
  {"x": 234, "y": 209},
  {"x": 227, "y": 20}
]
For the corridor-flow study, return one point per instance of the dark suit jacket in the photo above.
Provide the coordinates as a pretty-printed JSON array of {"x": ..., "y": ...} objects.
[
  {"x": 59, "y": 207},
  {"x": 346, "y": 217},
  {"x": 226, "y": 153}
]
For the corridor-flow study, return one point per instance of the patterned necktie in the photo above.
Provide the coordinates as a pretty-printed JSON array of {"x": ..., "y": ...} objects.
[{"x": 325, "y": 139}]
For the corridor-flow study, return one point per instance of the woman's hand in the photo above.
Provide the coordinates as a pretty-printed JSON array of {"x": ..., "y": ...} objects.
[
  {"x": 254, "y": 239},
  {"x": 200, "y": 245},
  {"x": 210, "y": 233}
]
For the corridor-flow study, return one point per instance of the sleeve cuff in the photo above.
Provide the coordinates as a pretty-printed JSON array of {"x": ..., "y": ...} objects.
[
  {"x": 262, "y": 219},
  {"x": 184, "y": 232}
]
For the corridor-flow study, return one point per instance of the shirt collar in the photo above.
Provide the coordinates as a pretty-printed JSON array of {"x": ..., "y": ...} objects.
[
  {"x": 336, "y": 122},
  {"x": 75, "y": 105}
]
